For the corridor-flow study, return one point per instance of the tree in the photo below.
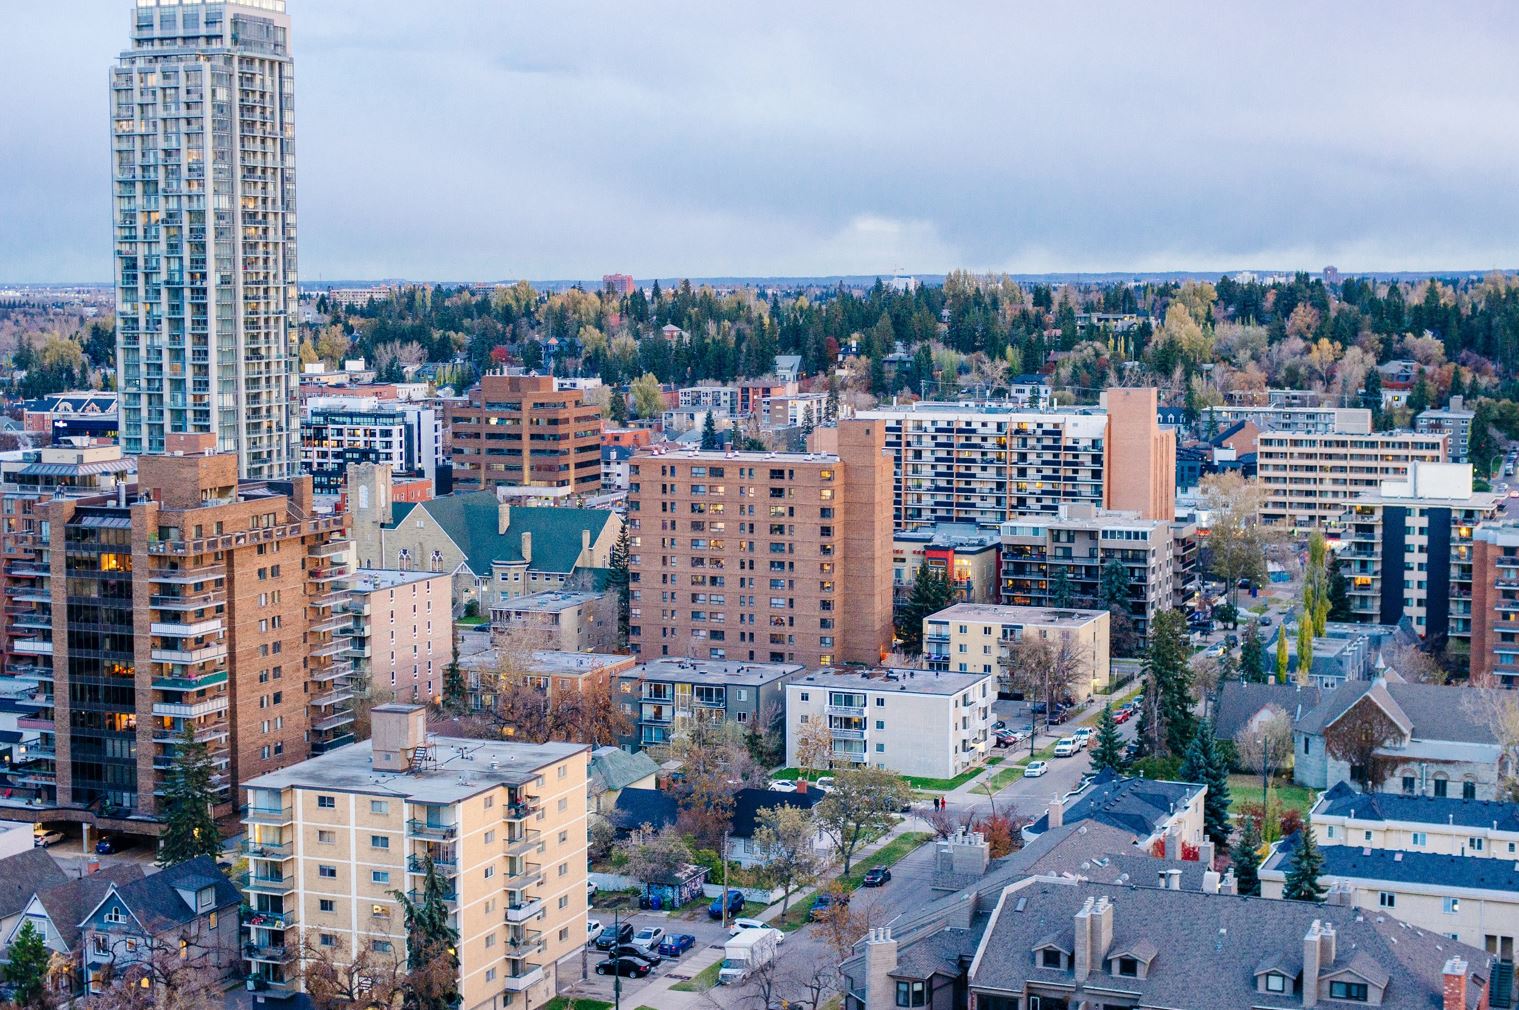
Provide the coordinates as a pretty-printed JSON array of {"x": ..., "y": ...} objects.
[
  {"x": 337, "y": 978},
  {"x": 1247, "y": 858},
  {"x": 1281, "y": 654},
  {"x": 1339, "y": 592},
  {"x": 1498, "y": 710},
  {"x": 1237, "y": 538},
  {"x": 619, "y": 580},
  {"x": 786, "y": 839},
  {"x": 930, "y": 594},
  {"x": 648, "y": 398},
  {"x": 814, "y": 746},
  {"x": 709, "y": 433},
  {"x": 1062, "y": 593},
  {"x": 430, "y": 941},
  {"x": 1252, "y": 655},
  {"x": 716, "y": 762},
  {"x": 1265, "y": 743},
  {"x": 1108, "y": 752},
  {"x": 1304, "y": 868},
  {"x": 1203, "y": 764},
  {"x": 26, "y": 971},
  {"x": 157, "y": 973},
  {"x": 1359, "y": 737},
  {"x": 863, "y": 802},
  {"x": 1046, "y": 669},
  {"x": 617, "y": 409},
  {"x": 654, "y": 857},
  {"x": 1113, "y": 590},
  {"x": 189, "y": 828},
  {"x": 1167, "y": 712},
  {"x": 1304, "y": 646}
]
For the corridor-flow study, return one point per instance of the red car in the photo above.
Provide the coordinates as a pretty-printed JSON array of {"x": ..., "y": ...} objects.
[{"x": 1122, "y": 715}]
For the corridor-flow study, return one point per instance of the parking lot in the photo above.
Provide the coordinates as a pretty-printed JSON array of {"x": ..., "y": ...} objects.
[
  {"x": 708, "y": 948},
  {"x": 71, "y": 854}
]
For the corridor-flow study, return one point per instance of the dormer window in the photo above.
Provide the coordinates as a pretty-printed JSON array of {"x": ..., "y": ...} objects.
[
  {"x": 1051, "y": 958},
  {"x": 1128, "y": 967},
  {"x": 912, "y": 994},
  {"x": 1276, "y": 983},
  {"x": 1353, "y": 991}
]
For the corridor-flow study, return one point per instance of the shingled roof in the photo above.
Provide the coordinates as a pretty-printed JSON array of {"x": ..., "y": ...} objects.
[
  {"x": 1478, "y": 873},
  {"x": 156, "y": 901},
  {"x": 1345, "y": 801},
  {"x": 472, "y": 522},
  {"x": 1136, "y": 805},
  {"x": 1426, "y": 711},
  {"x": 23, "y": 875},
  {"x": 1239, "y": 702},
  {"x": 68, "y": 903}
]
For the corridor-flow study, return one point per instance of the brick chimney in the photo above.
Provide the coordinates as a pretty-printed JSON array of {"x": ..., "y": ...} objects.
[
  {"x": 527, "y": 547},
  {"x": 1455, "y": 984},
  {"x": 1173, "y": 844},
  {"x": 1102, "y": 931},
  {"x": 1206, "y": 852},
  {"x": 880, "y": 962},
  {"x": 1081, "y": 961},
  {"x": 1057, "y": 812},
  {"x": 1311, "y": 965},
  {"x": 503, "y": 517},
  {"x": 1326, "y": 946}
]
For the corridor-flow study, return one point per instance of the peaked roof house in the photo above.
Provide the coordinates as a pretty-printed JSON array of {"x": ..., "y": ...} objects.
[
  {"x": 1443, "y": 747},
  {"x": 187, "y": 913},
  {"x": 56, "y": 912},
  {"x": 657, "y": 808},
  {"x": 21, "y": 876},
  {"x": 1146, "y": 810},
  {"x": 1240, "y": 704},
  {"x": 495, "y": 550}
]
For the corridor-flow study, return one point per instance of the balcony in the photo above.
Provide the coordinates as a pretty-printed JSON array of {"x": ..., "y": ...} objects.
[
  {"x": 422, "y": 829},
  {"x": 847, "y": 734},
  {"x": 854, "y": 757},
  {"x": 204, "y": 654},
  {"x": 415, "y": 864},
  {"x": 523, "y": 911},
  {"x": 190, "y": 683},
  {"x": 524, "y": 943},
  {"x": 203, "y": 708},
  {"x": 268, "y": 920},
  {"x": 266, "y": 885},
  {"x": 268, "y": 850},
  {"x": 268, "y": 815},
  {"x": 858, "y": 711},
  {"x": 528, "y": 842},
  {"x": 532, "y": 874},
  {"x": 277, "y": 954},
  {"x": 526, "y": 980},
  {"x": 522, "y": 809}
]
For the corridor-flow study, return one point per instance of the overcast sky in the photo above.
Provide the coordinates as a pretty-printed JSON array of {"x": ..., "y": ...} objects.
[{"x": 482, "y": 139}]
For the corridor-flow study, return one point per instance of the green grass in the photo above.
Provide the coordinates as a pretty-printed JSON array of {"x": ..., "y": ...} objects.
[
  {"x": 1247, "y": 789},
  {"x": 472, "y": 622},
  {"x": 702, "y": 980},
  {"x": 565, "y": 1003},
  {"x": 887, "y": 855},
  {"x": 1007, "y": 777},
  {"x": 944, "y": 785}
]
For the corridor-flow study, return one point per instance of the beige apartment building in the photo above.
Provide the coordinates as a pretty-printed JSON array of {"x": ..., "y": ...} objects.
[
  {"x": 402, "y": 636},
  {"x": 560, "y": 619},
  {"x": 979, "y": 638},
  {"x": 524, "y": 431},
  {"x": 330, "y": 839},
  {"x": 755, "y": 555},
  {"x": 193, "y": 602},
  {"x": 1312, "y": 477},
  {"x": 1139, "y": 466}
]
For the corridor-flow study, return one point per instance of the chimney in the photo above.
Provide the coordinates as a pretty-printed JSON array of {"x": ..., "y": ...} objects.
[
  {"x": 880, "y": 962},
  {"x": 396, "y": 731},
  {"x": 1102, "y": 931},
  {"x": 1057, "y": 811},
  {"x": 1228, "y": 885},
  {"x": 1311, "y": 966},
  {"x": 1206, "y": 851},
  {"x": 1173, "y": 878},
  {"x": 1211, "y": 881},
  {"x": 1173, "y": 844},
  {"x": 1081, "y": 961},
  {"x": 1455, "y": 984},
  {"x": 503, "y": 516},
  {"x": 1326, "y": 946},
  {"x": 527, "y": 547},
  {"x": 585, "y": 547}
]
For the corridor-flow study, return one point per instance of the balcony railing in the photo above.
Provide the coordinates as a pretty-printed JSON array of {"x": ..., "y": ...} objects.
[
  {"x": 422, "y": 829},
  {"x": 269, "y": 815},
  {"x": 523, "y": 911}
]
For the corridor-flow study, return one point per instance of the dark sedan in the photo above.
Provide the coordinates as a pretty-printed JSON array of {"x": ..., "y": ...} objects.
[
  {"x": 876, "y": 876},
  {"x": 627, "y": 967}
]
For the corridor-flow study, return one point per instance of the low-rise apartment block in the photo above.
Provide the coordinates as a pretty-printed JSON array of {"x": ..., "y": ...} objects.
[
  {"x": 1455, "y": 422},
  {"x": 1080, "y": 540},
  {"x": 402, "y": 635},
  {"x": 338, "y": 431},
  {"x": 1310, "y": 479},
  {"x": 1295, "y": 420},
  {"x": 525, "y": 431},
  {"x": 330, "y": 840},
  {"x": 753, "y": 556},
  {"x": 1408, "y": 551},
  {"x": 981, "y": 637},
  {"x": 561, "y": 620},
  {"x": 913, "y": 722},
  {"x": 660, "y": 695},
  {"x": 966, "y": 556}
]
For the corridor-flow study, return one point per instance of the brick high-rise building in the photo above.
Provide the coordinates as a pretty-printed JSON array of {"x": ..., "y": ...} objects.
[
  {"x": 771, "y": 557},
  {"x": 1495, "y": 603},
  {"x": 193, "y": 600},
  {"x": 522, "y": 430}
]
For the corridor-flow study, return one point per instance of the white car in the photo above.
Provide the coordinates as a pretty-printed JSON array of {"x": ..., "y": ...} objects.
[
  {"x": 590, "y": 889},
  {"x": 739, "y": 925},
  {"x": 825, "y": 783},
  {"x": 1065, "y": 747},
  {"x": 782, "y": 786},
  {"x": 593, "y": 928},
  {"x": 1082, "y": 736},
  {"x": 648, "y": 938},
  {"x": 44, "y": 839},
  {"x": 1034, "y": 769}
]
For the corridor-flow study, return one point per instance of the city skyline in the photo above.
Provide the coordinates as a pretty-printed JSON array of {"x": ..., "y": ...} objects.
[{"x": 535, "y": 145}]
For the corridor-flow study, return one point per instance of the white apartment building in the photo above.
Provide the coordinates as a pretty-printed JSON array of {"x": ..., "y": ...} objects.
[
  {"x": 337, "y": 431},
  {"x": 1407, "y": 550},
  {"x": 913, "y": 722},
  {"x": 1297, "y": 420},
  {"x": 1454, "y": 421},
  {"x": 979, "y": 638},
  {"x": 1310, "y": 479},
  {"x": 203, "y": 206}
]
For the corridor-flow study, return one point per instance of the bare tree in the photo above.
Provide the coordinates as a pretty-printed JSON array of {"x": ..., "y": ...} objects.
[
  {"x": 337, "y": 978},
  {"x": 159, "y": 973},
  {"x": 1414, "y": 664},
  {"x": 1237, "y": 538},
  {"x": 786, "y": 837},
  {"x": 1266, "y": 742},
  {"x": 1358, "y": 737},
  {"x": 1498, "y": 710},
  {"x": 654, "y": 857},
  {"x": 1046, "y": 669},
  {"x": 814, "y": 746}
]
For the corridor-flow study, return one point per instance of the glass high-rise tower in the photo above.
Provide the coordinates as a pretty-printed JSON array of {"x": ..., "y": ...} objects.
[{"x": 203, "y": 176}]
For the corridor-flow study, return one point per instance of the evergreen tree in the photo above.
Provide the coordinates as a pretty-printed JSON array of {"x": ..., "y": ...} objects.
[
  {"x": 189, "y": 828},
  {"x": 1252, "y": 655},
  {"x": 709, "y": 433},
  {"x": 1061, "y": 591},
  {"x": 1339, "y": 592},
  {"x": 1247, "y": 858},
  {"x": 619, "y": 409},
  {"x": 429, "y": 937},
  {"x": 1113, "y": 590},
  {"x": 26, "y": 971},
  {"x": 1168, "y": 685},
  {"x": 1304, "y": 647},
  {"x": 930, "y": 594},
  {"x": 809, "y": 424},
  {"x": 1203, "y": 764},
  {"x": 1304, "y": 869},
  {"x": 618, "y": 580},
  {"x": 1108, "y": 751},
  {"x": 1281, "y": 654}
]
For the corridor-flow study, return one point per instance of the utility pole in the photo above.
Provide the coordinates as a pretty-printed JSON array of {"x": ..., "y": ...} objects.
[
  {"x": 724, "y": 898},
  {"x": 616, "y": 961}
]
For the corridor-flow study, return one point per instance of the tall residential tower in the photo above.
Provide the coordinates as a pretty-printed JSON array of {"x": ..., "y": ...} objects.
[{"x": 203, "y": 176}]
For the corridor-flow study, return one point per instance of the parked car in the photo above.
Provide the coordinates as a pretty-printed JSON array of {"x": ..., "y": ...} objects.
[
  {"x": 1000, "y": 724},
  {"x": 1082, "y": 736},
  {"x": 782, "y": 786},
  {"x": 739, "y": 925},
  {"x": 47, "y": 838},
  {"x": 627, "y": 967},
  {"x": 824, "y": 784},
  {"x": 593, "y": 928},
  {"x": 1123, "y": 715},
  {"x": 734, "y": 903},
  {"x": 648, "y": 937},
  {"x": 1059, "y": 716},
  {"x": 876, "y": 876},
  {"x": 611, "y": 936},
  {"x": 643, "y": 954},
  {"x": 113, "y": 843},
  {"x": 1065, "y": 747},
  {"x": 1034, "y": 769},
  {"x": 823, "y": 904},
  {"x": 676, "y": 944},
  {"x": 590, "y": 889}
]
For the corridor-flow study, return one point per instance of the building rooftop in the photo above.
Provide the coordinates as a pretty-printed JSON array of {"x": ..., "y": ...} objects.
[
  {"x": 1344, "y": 801},
  {"x": 473, "y": 522},
  {"x": 369, "y": 580},
  {"x": 736, "y": 456},
  {"x": 545, "y": 662},
  {"x": 457, "y": 768},
  {"x": 1136, "y": 805},
  {"x": 1479, "y": 873},
  {"x": 551, "y": 601},
  {"x": 713, "y": 671},
  {"x": 1239, "y": 702},
  {"x": 1427, "y": 711},
  {"x": 961, "y": 536},
  {"x": 1061, "y": 617},
  {"x": 928, "y": 682}
]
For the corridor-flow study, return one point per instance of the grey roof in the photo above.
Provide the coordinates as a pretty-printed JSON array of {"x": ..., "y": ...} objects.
[
  {"x": 1239, "y": 702},
  {"x": 1135, "y": 805},
  {"x": 894, "y": 680},
  {"x": 1211, "y": 945},
  {"x": 155, "y": 900},
  {"x": 1430, "y": 711},
  {"x": 947, "y": 952},
  {"x": 637, "y": 807},
  {"x": 1479, "y": 873},
  {"x": 614, "y": 768},
  {"x": 68, "y": 903},
  {"x": 748, "y": 804},
  {"x": 1344, "y": 801},
  {"x": 23, "y": 875}
]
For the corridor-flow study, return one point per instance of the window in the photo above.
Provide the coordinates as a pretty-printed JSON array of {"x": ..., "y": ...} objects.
[
  {"x": 912, "y": 994},
  {"x": 1386, "y": 899},
  {"x": 1442, "y": 787},
  {"x": 327, "y": 905},
  {"x": 1452, "y": 906},
  {"x": 326, "y": 837},
  {"x": 327, "y": 871},
  {"x": 1329, "y": 831},
  {"x": 326, "y": 802},
  {"x": 1468, "y": 790},
  {"x": 1128, "y": 967},
  {"x": 1475, "y": 844},
  {"x": 490, "y": 871},
  {"x": 1275, "y": 982},
  {"x": 379, "y": 876},
  {"x": 1348, "y": 990},
  {"x": 329, "y": 940},
  {"x": 1051, "y": 958},
  {"x": 380, "y": 946},
  {"x": 381, "y": 807},
  {"x": 1419, "y": 838},
  {"x": 379, "y": 842},
  {"x": 379, "y": 911}
]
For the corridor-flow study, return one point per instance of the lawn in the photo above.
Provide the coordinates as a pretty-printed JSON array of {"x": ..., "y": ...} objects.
[
  {"x": 1006, "y": 777},
  {"x": 944, "y": 785},
  {"x": 565, "y": 1003},
  {"x": 887, "y": 855},
  {"x": 702, "y": 980},
  {"x": 1247, "y": 788},
  {"x": 475, "y": 622}
]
